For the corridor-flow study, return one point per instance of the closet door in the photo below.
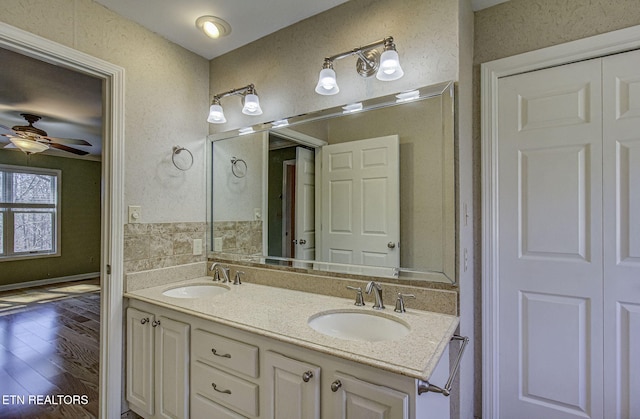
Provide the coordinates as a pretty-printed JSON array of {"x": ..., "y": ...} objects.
[
  {"x": 621, "y": 127},
  {"x": 550, "y": 318}
]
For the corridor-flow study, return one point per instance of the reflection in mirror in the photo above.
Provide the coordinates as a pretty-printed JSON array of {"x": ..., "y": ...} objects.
[{"x": 367, "y": 192}]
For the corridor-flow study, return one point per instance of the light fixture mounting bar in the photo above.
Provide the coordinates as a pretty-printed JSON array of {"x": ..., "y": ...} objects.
[
  {"x": 359, "y": 50},
  {"x": 249, "y": 89}
]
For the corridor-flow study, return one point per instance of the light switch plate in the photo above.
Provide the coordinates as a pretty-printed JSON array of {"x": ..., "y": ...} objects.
[{"x": 135, "y": 213}]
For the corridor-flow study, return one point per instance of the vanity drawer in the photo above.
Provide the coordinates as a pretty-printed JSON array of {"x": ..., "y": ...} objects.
[
  {"x": 201, "y": 407},
  {"x": 219, "y": 350},
  {"x": 231, "y": 390}
]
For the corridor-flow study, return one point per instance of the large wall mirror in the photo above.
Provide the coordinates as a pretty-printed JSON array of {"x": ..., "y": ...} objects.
[{"x": 365, "y": 188}]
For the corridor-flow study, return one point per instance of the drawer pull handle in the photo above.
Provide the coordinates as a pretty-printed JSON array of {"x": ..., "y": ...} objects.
[
  {"x": 222, "y": 356},
  {"x": 155, "y": 323},
  {"x": 220, "y": 391},
  {"x": 336, "y": 385},
  {"x": 307, "y": 376},
  {"x": 144, "y": 321}
]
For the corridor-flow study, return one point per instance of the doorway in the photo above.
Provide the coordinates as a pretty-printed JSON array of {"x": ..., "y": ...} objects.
[
  {"x": 587, "y": 262},
  {"x": 111, "y": 258}
]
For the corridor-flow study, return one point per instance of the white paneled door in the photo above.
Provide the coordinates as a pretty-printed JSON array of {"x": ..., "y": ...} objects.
[
  {"x": 569, "y": 240},
  {"x": 621, "y": 127},
  {"x": 305, "y": 221},
  {"x": 360, "y": 204}
]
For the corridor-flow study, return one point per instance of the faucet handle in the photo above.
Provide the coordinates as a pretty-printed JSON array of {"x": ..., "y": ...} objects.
[
  {"x": 359, "y": 298},
  {"x": 236, "y": 280},
  {"x": 400, "y": 302}
]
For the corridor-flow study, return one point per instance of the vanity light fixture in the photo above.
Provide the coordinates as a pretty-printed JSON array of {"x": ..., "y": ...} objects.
[
  {"x": 245, "y": 131},
  {"x": 353, "y": 107},
  {"x": 407, "y": 96},
  {"x": 385, "y": 66},
  {"x": 213, "y": 26},
  {"x": 280, "y": 123},
  {"x": 250, "y": 100}
]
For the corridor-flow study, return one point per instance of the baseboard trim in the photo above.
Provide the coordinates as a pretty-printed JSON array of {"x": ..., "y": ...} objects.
[{"x": 48, "y": 281}]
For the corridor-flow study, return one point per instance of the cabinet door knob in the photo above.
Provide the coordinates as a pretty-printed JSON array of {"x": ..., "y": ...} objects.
[
  {"x": 307, "y": 376},
  {"x": 155, "y": 323},
  {"x": 336, "y": 385},
  {"x": 144, "y": 321}
]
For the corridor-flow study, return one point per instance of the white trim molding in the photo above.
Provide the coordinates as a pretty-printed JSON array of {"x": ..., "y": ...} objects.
[
  {"x": 49, "y": 281},
  {"x": 111, "y": 260},
  {"x": 583, "y": 49}
]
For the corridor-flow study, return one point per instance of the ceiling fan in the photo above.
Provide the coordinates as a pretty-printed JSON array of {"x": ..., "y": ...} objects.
[{"x": 34, "y": 140}]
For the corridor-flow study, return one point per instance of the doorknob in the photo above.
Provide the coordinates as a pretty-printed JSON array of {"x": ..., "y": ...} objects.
[
  {"x": 302, "y": 241},
  {"x": 391, "y": 245}
]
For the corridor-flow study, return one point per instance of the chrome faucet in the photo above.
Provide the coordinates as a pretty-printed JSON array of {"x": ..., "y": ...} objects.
[
  {"x": 377, "y": 293},
  {"x": 216, "y": 272}
]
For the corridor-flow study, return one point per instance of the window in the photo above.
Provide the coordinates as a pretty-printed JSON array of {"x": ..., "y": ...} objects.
[{"x": 29, "y": 212}]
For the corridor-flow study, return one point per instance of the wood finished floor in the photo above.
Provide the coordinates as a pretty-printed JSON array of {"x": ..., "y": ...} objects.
[{"x": 49, "y": 346}]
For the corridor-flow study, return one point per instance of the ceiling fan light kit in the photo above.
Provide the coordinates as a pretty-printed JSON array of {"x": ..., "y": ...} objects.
[{"x": 32, "y": 140}]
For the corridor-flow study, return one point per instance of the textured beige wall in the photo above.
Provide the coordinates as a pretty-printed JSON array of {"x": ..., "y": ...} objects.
[
  {"x": 165, "y": 97},
  {"x": 519, "y": 26},
  {"x": 284, "y": 66}
]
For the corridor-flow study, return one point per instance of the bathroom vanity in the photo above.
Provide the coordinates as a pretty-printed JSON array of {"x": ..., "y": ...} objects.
[{"x": 247, "y": 351}]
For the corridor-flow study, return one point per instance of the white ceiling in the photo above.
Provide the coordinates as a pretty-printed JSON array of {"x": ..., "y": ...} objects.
[{"x": 249, "y": 20}]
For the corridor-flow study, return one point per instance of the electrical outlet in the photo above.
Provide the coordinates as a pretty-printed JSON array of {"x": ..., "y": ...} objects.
[
  {"x": 135, "y": 213},
  {"x": 197, "y": 247}
]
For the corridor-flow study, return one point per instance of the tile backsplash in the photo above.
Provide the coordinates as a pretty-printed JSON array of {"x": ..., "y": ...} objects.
[
  {"x": 160, "y": 245},
  {"x": 239, "y": 237}
]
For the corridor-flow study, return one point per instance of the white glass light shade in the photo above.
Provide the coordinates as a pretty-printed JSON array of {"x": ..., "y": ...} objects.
[
  {"x": 389, "y": 66},
  {"x": 251, "y": 105},
  {"x": 216, "y": 115},
  {"x": 29, "y": 146},
  {"x": 327, "y": 83}
]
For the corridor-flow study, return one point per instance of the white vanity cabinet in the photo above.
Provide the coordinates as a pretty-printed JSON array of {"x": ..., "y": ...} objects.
[
  {"x": 293, "y": 388},
  {"x": 237, "y": 373},
  {"x": 357, "y": 399},
  {"x": 157, "y": 356}
]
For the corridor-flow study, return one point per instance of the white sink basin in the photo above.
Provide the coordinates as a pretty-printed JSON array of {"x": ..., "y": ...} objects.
[
  {"x": 196, "y": 291},
  {"x": 364, "y": 326}
]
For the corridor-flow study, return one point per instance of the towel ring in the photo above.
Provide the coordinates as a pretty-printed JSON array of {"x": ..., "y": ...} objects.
[
  {"x": 185, "y": 163},
  {"x": 238, "y": 167}
]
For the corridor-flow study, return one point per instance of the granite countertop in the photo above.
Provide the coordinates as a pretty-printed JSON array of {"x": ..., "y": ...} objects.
[{"x": 282, "y": 314}]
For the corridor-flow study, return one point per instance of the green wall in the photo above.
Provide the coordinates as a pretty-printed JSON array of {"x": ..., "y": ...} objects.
[{"x": 80, "y": 223}]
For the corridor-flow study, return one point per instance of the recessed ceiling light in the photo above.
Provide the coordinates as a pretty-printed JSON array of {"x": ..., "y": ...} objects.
[{"x": 213, "y": 27}]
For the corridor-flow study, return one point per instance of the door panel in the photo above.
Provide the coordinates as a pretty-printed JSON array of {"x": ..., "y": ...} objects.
[
  {"x": 305, "y": 222},
  {"x": 140, "y": 360},
  {"x": 621, "y": 136},
  {"x": 290, "y": 396},
  {"x": 360, "y": 202},
  {"x": 550, "y": 252},
  {"x": 172, "y": 369}
]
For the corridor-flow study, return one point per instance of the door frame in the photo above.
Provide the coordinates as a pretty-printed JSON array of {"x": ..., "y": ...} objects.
[
  {"x": 112, "y": 227},
  {"x": 593, "y": 47}
]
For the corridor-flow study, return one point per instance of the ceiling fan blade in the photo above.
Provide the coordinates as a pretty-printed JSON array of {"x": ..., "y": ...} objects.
[
  {"x": 69, "y": 149},
  {"x": 72, "y": 141}
]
